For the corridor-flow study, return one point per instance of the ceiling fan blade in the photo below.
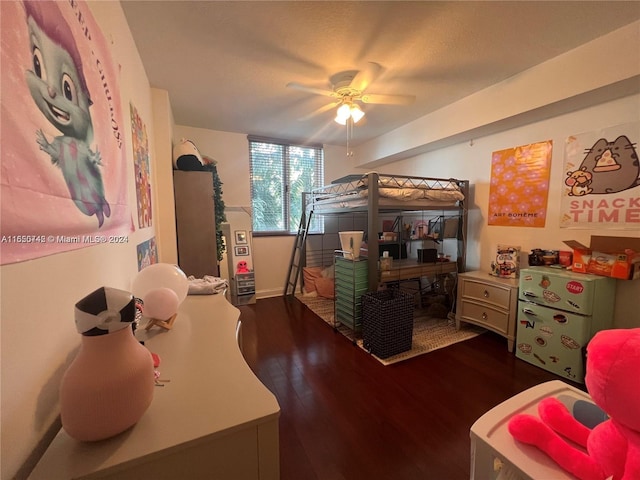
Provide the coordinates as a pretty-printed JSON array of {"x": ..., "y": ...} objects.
[
  {"x": 307, "y": 88},
  {"x": 388, "y": 99},
  {"x": 320, "y": 110},
  {"x": 364, "y": 77}
]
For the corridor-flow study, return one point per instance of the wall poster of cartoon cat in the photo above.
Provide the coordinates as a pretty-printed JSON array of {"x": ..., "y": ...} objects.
[
  {"x": 64, "y": 173},
  {"x": 602, "y": 179}
]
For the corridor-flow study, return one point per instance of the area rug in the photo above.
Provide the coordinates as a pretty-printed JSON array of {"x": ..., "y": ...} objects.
[{"x": 429, "y": 333}]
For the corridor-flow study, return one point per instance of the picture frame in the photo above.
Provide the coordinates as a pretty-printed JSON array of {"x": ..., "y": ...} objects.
[
  {"x": 241, "y": 251},
  {"x": 241, "y": 237}
]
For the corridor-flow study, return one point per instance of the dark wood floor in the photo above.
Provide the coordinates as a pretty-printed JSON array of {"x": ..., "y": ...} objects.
[{"x": 346, "y": 416}]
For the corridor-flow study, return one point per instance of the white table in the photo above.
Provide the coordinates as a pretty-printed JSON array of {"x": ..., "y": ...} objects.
[{"x": 213, "y": 420}]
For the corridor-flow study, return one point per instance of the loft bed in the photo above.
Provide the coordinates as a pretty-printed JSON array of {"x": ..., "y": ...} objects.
[
  {"x": 388, "y": 192},
  {"x": 363, "y": 202}
]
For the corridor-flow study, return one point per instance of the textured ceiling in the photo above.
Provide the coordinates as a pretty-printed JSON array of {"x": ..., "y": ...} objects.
[{"x": 226, "y": 64}]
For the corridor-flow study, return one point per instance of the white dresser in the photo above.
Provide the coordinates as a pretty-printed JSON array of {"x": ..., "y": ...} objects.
[
  {"x": 488, "y": 301},
  {"x": 214, "y": 419}
]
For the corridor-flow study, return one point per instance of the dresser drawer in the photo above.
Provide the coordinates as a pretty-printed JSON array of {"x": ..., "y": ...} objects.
[
  {"x": 489, "y": 302},
  {"x": 246, "y": 290},
  {"x": 490, "y": 294},
  {"x": 351, "y": 267},
  {"x": 353, "y": 284},
  {"x": 485, "y": 315}
]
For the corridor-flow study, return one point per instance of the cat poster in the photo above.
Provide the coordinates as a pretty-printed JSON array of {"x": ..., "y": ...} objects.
[
  {"x": 601, "y": 183},
  {"x": 64, "y": 174},
  {"x": 519, "y": 185}
]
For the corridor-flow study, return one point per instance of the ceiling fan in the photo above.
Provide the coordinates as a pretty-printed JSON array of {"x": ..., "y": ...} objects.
[{"x": 348, "y": 88}]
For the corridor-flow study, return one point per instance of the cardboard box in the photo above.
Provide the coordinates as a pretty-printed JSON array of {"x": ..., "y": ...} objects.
[
  {"x": 581, "y": 255},
  {"x": 616, "y": 257}
]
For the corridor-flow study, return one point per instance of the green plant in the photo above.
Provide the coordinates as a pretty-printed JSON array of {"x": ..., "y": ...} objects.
[{"x": 220, "y": 217}]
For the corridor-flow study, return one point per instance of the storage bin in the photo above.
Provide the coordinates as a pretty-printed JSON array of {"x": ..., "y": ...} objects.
[
  {"x": 387, "y": 322},
  {"x": 427, "y": 255}
]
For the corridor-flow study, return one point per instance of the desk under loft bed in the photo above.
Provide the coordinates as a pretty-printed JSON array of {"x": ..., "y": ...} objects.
[{"x": 436, "y": 209}]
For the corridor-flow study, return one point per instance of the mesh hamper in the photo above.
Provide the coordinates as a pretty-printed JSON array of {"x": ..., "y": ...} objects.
[{"x": 387, "y": 322}]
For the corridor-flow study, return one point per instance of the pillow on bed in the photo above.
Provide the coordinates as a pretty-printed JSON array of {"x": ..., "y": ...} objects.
[
  {"x": 325, "y": 287},
  {"x": 309, "y": 277},
  {"x": 328, "y": 272}
]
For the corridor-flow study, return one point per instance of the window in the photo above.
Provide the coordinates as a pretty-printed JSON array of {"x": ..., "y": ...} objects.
[{"x": 280, "y": 173}]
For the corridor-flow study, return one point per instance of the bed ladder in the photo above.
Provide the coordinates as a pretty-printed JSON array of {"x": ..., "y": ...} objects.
[{"x": 297, "y": 255}]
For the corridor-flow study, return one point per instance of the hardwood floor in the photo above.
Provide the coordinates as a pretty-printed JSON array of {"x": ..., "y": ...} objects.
[{"x": 346, "y": 416}]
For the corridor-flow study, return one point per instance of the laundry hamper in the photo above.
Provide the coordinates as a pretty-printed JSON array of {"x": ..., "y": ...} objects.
[{"x": 387, "y": 322}]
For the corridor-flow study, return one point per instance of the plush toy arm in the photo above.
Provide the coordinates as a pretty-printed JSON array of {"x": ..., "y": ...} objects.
[
  {"x": 555, "y": 414},
  {"x": 632, "y": 465},
  {"x": 529, "y": 429}
]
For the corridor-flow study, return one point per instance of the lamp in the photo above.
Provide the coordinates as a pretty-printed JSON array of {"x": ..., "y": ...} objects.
[
  {"x": 356, "y": 113},
  {"x": 348, "y": 110},
  {"x": 162, "y": 287}
]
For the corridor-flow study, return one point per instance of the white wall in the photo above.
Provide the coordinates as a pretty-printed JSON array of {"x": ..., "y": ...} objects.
[
  {"x": 163, "y": 199},
  {"x": 39, "y": 338}
]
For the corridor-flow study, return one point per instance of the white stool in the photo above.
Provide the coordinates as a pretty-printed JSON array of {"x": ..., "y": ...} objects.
[{"x": 492, "y": 445}]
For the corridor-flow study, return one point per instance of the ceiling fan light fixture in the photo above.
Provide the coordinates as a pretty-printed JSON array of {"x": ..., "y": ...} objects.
[
  {"x": 343, "y": 113},
  {"x": 348, "y": 110},
  {"x": 340, "y": 120},
  {"x": 356, "y": 113}
]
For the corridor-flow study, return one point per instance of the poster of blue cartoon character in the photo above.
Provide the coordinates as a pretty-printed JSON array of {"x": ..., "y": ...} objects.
[
  {"x": 59, "y": 89},
  {"x": 64, "y": 176}
]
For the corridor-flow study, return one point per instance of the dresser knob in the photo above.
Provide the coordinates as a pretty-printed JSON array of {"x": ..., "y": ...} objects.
[
  {"x": 484, "y": 315},
  {"x": 486, "y": 294}
]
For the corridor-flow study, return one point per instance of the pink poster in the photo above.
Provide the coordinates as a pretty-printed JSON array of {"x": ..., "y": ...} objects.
[{"x": 63, "y": 174}]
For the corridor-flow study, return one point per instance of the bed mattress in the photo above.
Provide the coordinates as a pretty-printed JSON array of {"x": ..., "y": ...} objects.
[{"x": 394, "y": 192}]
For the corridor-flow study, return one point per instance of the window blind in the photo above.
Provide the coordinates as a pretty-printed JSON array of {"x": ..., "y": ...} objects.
[{"x": 279, "y": 174}]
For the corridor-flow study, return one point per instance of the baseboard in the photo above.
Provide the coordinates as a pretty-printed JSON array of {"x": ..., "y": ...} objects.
[{"x": 276, "y": 292}]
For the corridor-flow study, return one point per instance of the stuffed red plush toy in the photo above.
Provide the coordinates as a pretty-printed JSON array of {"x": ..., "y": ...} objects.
[{"x": 613, "y": 446}]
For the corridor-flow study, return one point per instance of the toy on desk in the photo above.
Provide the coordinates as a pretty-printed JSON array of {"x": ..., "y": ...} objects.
[
  {"x": 161, "y": 308},
  {"x": 242, "y": 267},
  {"x": 613, "y": 446}
]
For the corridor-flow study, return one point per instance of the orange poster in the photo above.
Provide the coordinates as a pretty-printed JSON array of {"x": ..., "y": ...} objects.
[{"x": 520, "y": 185}]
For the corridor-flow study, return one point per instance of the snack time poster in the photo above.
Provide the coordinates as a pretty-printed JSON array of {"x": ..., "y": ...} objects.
[{"x": 602, "y": 179}]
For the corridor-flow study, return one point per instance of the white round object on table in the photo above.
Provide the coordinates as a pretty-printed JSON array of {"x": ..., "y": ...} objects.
[
  {"x": 160, "y": 275},
  {"x": 160, "y": 303}
]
